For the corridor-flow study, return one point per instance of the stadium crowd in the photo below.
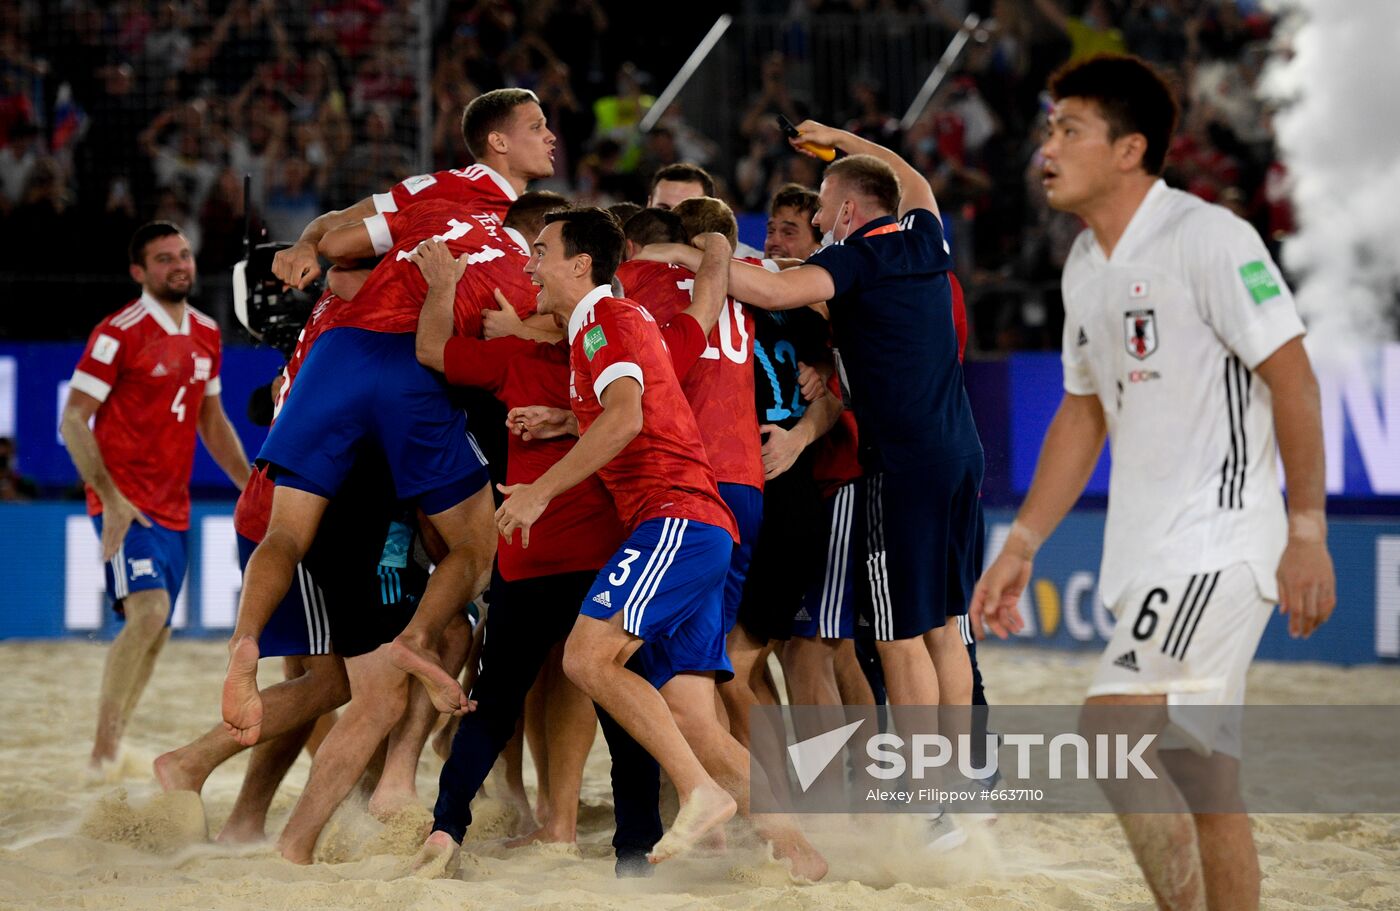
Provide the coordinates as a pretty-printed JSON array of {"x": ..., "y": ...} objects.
[{"x": 115, "y": 113}]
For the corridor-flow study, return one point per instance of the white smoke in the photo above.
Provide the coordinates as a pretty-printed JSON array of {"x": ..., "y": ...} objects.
[{"x": 1336, "y": 75}]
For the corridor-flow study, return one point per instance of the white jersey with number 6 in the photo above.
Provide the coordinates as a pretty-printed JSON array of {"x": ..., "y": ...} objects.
[{"x": 1167, "y": 333}]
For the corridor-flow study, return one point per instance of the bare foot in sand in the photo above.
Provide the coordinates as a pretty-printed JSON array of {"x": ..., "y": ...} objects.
[
  {"x": 242, "y": 704},
  {"x": 805, "y": 864},
  {"x": 437, "y": 859},
  {"x": 713, "y": 843},
  {"x": 544, "y": 835},
  {"x": 422, "y": 664},
  {"x": 104, "y": 769},
  {"x": 386, "y": 804},
  {"x": 242, "y": 832},
  {"x": 295, "y": 855},
  {"x": 705, "y": 808},
  {"x": 174, "y": 774}
]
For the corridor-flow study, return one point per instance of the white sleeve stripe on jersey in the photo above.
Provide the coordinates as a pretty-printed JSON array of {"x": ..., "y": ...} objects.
[
  {"x": 615, "y": 372},
  {"x": 384, "y": 202},
  {"x": 126, "y": 319},
  {"x": 86, "y": 382},
  {"x": 213, "y": 387},
  {"x": 205, "y": 321},
  {"x": 125, "y": 315},
  {"x": 380, "y": 237}
]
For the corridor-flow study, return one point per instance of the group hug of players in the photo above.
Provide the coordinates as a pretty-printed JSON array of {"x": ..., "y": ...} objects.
[
  {"x": 681, "y": 496},
  {"x": 684, "y": 492}
]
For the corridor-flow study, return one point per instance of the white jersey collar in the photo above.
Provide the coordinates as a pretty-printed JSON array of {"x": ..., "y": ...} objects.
[
  {"x": 1156, "y": 195},
  {"x": 162, "y": 318},
  {"x": 585, "y": 309},
  {"x": 519, "y": 240},
  {"x": 501, "y": 182}
]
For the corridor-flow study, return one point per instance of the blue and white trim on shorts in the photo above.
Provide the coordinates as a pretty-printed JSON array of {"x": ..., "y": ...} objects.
[
  {"x": 634, "y": 609},
  {"x": 318, "y": 623},
  {"x": 120, "y": 587},
  {"x": 833, "y": 602}
]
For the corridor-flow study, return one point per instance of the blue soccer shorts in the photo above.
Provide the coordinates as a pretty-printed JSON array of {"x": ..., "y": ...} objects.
[
  {"x": 829, "y": 607},
  {"x": 301, "y": 623},
  {"x": 358, "y": 385},
  {"x": 668, "y": 580},
  {"x": 149, "y": 558},
  {"x": 747, "y": 505},
  {"x": 922, "y": 533}
]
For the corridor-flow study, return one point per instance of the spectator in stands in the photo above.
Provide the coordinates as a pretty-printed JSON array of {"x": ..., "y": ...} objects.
[
  {"x": 175, "y": 142},
  {"x": 1089, "y": 34},
  {"x": 376, "y": 162},
  {"x": 17, "y": 158},
  {"x": 616, "y": 116}
]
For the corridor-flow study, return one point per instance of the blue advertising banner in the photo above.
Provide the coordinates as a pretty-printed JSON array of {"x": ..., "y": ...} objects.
[
  {"x": 54, "y": 585},
  {"x": 1061, "y": 606},
  {"x": 1013, "y": 400},
  {"x": 34, "y": 385},
  {"x": 1360, "y": 422}
]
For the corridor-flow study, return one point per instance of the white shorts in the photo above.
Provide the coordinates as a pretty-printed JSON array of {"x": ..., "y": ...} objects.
[{"x": 1191, "y": 639}]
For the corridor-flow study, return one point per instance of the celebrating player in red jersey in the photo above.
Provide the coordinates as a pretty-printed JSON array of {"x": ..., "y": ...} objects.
[
  {"x": 505, "y": 132},
  {"x": 639, "y": 436},
  {"x": 150, "y": 375}
]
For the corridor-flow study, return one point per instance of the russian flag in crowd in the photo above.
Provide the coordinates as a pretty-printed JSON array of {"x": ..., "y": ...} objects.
[{"x": 68, "y": 118}]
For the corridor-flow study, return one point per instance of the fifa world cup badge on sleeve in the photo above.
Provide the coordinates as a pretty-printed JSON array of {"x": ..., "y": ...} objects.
[
  {"x": 1259, "y": 281},
  {"x": 593, "y": 340}
]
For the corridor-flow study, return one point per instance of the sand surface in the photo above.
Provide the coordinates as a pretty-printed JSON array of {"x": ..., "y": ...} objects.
[{"x": 70, "y": 843}]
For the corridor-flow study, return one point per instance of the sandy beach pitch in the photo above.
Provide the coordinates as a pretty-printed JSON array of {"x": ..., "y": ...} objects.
[{"x": 69, "y": 843}]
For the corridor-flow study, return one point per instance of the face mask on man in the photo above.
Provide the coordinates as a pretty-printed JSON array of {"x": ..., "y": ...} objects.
[{"x": 829, "y": 237}]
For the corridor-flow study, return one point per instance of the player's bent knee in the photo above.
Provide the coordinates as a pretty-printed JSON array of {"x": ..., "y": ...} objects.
[
  {"x": 146, "y": 612},
  {"x": 579, "y": 663},
  {"x": 327, "y": 673}
]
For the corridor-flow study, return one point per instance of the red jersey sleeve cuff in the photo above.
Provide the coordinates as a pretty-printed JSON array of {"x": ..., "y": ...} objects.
[
  {"x": 379, "y": 233},
  {"x": 617, "y": 371},
  {"x": 86, "y": 382},
  {"x": 385, "y": 202}
]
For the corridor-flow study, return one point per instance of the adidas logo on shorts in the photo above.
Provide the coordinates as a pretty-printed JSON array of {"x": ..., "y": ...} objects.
[
  {"x": 803, "y": 616},
  {"x": 1127, "y": 660},
  {"x": 605, "y": 599}
]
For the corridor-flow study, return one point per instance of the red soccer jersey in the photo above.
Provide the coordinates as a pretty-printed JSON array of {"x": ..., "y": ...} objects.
[
  {"x": 579, "y": 530},
  {"x": 254, "y": 507},
  {"x": 663, "y": 471},
  {"x": 393, "y": 294},
  {"x": 720, "y": 386},
  {"x": 475, "y": 188},
  {"x": 151, "y": 377}
]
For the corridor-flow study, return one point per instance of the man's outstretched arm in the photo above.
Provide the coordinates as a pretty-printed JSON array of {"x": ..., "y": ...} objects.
[
  {"x": 299, "y": 265},
  {"x": 914, "y": 191},
  {"x": 755, "y": 285}
]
